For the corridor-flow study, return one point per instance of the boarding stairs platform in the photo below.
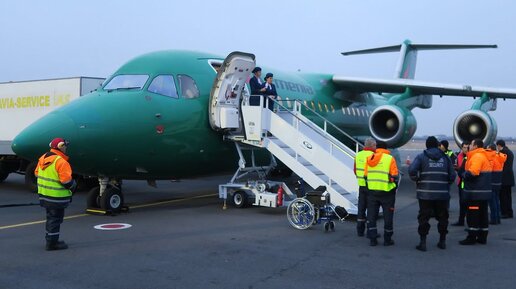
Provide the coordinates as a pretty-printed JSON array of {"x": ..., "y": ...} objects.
[
  {"x": 295, "y": 134},
  {"x": 315, "y": 155}
]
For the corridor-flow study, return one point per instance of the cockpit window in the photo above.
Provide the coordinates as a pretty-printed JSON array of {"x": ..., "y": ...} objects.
[
  {"x": 188, "y": 87},
  {"x": 164, "y": 85},
  {"x": 127, "y": 81}
]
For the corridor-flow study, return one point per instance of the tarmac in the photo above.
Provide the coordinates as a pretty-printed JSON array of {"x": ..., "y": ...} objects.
[{"x": 181, "y": 237}]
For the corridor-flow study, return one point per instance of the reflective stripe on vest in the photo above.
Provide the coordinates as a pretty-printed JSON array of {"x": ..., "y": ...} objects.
[
  {"x": 378, "y": 176},
  {"x": 360, "y": 163},
  {"x": 49, "y": 184}
]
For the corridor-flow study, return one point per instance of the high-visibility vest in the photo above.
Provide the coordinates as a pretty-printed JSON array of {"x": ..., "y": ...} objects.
[
  {"x": 360, "y": 163},
  {"x": 378, "y": 178},
  {"x": 449, "y": 153},
  {"x": 49, "y": 184}
]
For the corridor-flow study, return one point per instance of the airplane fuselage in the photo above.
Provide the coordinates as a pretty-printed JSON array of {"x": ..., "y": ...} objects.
[{"x": 133, "y": 133}]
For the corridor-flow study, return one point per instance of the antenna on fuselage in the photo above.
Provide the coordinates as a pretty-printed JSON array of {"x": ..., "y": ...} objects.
[{"x": 406, "y": 67}]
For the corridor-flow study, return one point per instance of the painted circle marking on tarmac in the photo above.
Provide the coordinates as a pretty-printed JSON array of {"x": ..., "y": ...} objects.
[{"x": 112, "y": 226}]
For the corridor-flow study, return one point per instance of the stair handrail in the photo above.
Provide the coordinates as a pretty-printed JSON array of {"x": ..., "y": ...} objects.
[{"x": 300, "y": 104}]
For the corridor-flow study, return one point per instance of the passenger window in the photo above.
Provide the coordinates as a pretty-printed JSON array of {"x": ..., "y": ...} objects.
[
  {"x": 188, "y": 87},
  {"x": 164, "y": 85}
]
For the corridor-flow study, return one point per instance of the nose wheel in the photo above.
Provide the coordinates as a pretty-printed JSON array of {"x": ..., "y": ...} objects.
[{"x": 110, "y": 200}]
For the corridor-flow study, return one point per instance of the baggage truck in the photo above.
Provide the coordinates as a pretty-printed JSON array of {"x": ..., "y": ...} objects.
[{"x": 22, "y": 103}]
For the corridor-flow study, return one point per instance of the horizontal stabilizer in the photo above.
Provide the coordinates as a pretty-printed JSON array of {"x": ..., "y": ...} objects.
[
  {"x": 396, "y": 48},
  {"x": 406, "y": 67}
]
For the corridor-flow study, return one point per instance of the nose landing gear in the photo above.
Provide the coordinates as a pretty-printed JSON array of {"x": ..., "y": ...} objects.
[{"x": 107, "y": 198}]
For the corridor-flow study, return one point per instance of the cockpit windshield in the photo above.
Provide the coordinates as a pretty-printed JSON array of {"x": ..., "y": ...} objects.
[{"x": 127, "y": 81}]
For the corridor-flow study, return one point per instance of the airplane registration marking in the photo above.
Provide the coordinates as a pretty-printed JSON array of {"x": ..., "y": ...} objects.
[{"x": 131, "y": 207}]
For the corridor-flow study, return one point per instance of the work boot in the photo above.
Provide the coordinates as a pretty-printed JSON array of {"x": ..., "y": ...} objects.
[
  {"x": 470, "y": 240},
  {"x": 442, "y": 242},
  {"x": 373, "y": 242},
  {"x": 360, "y": 229},
  {"x": 58, "y": 245},
  {"x": 482, "y": 237},
  {"x": 422, "y": 244},
  {"x": 387, "y": 241}
]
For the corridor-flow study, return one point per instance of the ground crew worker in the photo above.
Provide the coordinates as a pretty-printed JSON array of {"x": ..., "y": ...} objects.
[
  {"x": 381, "y": 175},
  {"x": 497, "y": 160},
  {"x": 443, "y": 145},
  {"x": 433, "y": 173},
  {"x": 360, "y": 163},
  {"x": 55, "y": 187},
  {"x": 461, "y": 163},
  {"x": 477, "y": 192},
  {"x": 507, "y": 181}
]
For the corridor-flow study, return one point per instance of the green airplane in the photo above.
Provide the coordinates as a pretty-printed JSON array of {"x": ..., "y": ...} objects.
[{"x": 156, "y": 116}]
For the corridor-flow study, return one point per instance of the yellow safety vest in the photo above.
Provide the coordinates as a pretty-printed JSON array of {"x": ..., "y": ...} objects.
[
  {"x": 378, "y": 176},
  {"x": 360, "y": 163},
  {"x": 49, "y": 184}
]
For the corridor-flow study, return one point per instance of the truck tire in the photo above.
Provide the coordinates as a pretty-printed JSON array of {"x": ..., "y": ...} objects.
[
  {"x": 30, "y": 179},
  {"x": 3, "y": 175},
  {"x": 4, "y": 171},
  {"x": 239, "y": 199}
]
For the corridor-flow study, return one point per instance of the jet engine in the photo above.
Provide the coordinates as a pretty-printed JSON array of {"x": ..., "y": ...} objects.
[
  {"x": 392, "y": 124},
  {"x": 474, "y": 124}
]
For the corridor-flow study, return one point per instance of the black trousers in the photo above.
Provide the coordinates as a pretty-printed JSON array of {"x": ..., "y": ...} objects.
[
  {"x": 429, "y": 208},
  {"x": 462, "y": 206},
  {"x": 478, "y": 219},
  {"x": 55, "y": 216},
  {"x": 53, "y": 225},
  {"x": 362, "y": 207},
  {"x": 375, "y": 200},
  {"x": 506, "y": 201}
]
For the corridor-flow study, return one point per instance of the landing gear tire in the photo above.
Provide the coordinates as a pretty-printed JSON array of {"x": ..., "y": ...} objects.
[
  {"x": 30, "y": 179},
  {"x": 239, "y": 199},
  {"x": 93, "y": 199},
  {"x": 112, "y": 200}
]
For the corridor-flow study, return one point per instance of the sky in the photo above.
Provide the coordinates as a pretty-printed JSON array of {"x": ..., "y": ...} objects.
[{"x": 58, "y": 38}]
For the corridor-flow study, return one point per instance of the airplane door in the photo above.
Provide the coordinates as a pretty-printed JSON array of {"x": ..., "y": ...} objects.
[{"x": 228, "y": 90}]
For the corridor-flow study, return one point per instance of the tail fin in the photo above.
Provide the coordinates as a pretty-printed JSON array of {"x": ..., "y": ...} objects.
[{"x": 406, "y": 67}]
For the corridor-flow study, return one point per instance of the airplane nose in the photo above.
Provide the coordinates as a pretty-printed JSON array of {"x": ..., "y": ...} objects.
[{"x": 34, "y": 140}]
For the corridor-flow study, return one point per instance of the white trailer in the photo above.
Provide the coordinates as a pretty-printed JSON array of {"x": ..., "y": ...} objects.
[{"x": 23, "y": 102}]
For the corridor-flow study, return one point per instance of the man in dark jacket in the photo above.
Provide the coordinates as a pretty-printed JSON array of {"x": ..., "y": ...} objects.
[
  {"x": 507, "y": 181},
  {"x": 433, "y": 173}
]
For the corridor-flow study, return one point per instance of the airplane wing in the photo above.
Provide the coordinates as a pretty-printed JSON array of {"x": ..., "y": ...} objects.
[{"x": 359, "y": 85}]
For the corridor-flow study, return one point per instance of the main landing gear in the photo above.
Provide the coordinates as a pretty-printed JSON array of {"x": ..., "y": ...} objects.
[{"x": 107, "y": 198}]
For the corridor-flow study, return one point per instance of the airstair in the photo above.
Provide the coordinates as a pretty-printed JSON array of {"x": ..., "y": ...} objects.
[{"x": 302, "y": 144}]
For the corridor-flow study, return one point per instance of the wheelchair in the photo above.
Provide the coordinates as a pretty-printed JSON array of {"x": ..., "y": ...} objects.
[{"x": 315, "y": 208}]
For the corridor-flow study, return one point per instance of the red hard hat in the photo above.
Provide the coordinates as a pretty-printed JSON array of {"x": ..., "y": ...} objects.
[{"x": 58, "y": 143}]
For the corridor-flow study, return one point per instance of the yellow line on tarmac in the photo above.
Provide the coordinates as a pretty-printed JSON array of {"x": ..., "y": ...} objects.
[
  {"x": 40, "y": 222},
  {"x": 132, "y": 207},
  {"x": 171, "y": 201}
]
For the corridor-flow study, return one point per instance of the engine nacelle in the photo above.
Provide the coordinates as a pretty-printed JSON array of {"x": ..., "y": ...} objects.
[
  {"x": 392, "y": 124},
  {"x": 474, "y": 124}
]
